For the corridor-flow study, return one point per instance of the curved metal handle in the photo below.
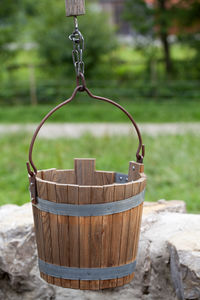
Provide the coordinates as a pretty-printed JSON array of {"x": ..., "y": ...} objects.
[{"x": 83, "y": 88}]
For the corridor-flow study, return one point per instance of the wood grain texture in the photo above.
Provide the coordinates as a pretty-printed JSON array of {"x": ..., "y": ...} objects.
[
  {"x": 39, "y": 233},
  {"x": 75, "y": 7},
  {"x": 85, "y": 234},
  {"x": 134, "y": 170},
  {"x": 116, "y": 232},
  {"x": 88, "y": 242},
  {"x": 84, "y": 171},
  {"x": 63, "y": 232},
  {"x": 104, "y": 178},
  {"x": 96, "y": 235},
  {"x": 74, "y": 260},
  {"x": 128, "y": 192},
  {"x": 46, "y": 229},
  {"x": 51, "y": 196},
  {"x": 64, "y": 176},
  {"x": 130, "y": 254},
  {"x": 108, "y": 194},
  {"x": 48, "y": 174}
]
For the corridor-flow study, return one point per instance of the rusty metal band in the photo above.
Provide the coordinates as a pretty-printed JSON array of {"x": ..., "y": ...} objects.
[
  {"x": 90, "y": 210},
  {"x": 86, "y": 273}
]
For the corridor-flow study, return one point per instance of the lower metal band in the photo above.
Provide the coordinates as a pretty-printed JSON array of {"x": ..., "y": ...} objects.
[
  {"x": 86, "y": 273},
  {"x": 89, "y": 210}
]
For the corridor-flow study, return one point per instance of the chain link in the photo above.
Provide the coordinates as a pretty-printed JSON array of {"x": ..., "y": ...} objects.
[{"x": 78, "y": 46}]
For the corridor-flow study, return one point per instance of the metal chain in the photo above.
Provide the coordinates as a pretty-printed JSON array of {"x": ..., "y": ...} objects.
[{"x": 78, "y": 46}]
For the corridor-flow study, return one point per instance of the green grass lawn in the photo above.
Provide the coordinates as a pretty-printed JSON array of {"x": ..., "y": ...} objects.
[
  {"x": 171, "y": 163},
  {"x": 93, "y": 111}
]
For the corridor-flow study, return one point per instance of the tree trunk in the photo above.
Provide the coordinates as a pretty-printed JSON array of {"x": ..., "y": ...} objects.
[
  {"x": 164, "y": 36},
  {"x": 167, "y": 56}
]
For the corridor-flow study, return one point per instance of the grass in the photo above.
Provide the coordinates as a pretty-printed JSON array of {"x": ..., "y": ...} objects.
[
  {"x": 171, "y": 163},
  {"x": 90, "y": 111}
]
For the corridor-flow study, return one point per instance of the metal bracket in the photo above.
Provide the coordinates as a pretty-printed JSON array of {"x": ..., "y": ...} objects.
[{"x": 121, "y": 178}]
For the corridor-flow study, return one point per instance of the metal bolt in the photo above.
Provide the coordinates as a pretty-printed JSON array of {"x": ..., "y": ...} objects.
[
  {"x": 120, "y": 178},
  {"x": 133, "y": 168},
  {"x": 126, "y": 179}
]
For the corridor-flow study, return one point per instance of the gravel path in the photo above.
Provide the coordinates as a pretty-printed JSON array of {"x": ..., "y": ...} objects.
[{"x": 55, "y": 130}]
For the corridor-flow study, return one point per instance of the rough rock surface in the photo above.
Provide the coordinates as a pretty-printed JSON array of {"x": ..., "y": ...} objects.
[
  {"x": 185, "y": 263},
  {"x": 168, "y": 259}
]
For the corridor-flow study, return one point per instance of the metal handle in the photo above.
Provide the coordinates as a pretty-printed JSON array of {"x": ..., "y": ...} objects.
[{"x": 81, "y": 86}]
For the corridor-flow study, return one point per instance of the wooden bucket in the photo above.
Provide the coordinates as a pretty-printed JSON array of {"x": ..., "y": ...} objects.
[{"x": 87, "y": 223}]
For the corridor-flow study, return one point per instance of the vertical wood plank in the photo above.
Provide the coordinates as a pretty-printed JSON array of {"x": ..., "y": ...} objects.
[
  {"x": 96, "y": 235},
  {"x": 74, "y": 259},
  {"x": 48, "y": 174},
  {"x": 128, "y": 192},
  {"x": 132, "y": 231},
  {"x": 75, "y": 7},
  {"x": 139, "y": 216},
  {"x": 85, "y": 234},
  {"x": 104, "y": 178},
  {"x": 108, "y": 194},
  {"x": 116, "y": 232},
  {"x": 39, "y": 174},
  {"x": 134, "y": 170},
  {"x": 45, "y": 225},
  {"x": 65, "y": 176},
  {"x": 51, "y": 192},
  {"x": 63, "y": 232},
  {"x": 84, "y": 171},
  {"x": 39, "y": 234}
]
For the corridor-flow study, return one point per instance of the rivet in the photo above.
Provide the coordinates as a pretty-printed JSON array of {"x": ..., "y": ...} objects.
[
  {"x": 126, "y": 179},
  {"x": 120, "y": 178},
  {"x": 133, "y": 168}
]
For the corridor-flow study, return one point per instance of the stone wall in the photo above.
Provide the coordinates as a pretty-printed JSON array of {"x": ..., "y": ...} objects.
[{"x": 168, "y": 262}]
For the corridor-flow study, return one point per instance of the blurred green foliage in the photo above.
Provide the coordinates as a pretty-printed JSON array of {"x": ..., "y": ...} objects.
[
  {"x": 88, "y": 110},
  {"x": 8, "y": 29},
  {"x": 50, "y": 31},
  {"x": 171, "y": 172},
  {"x": 160, "y": 19},
  {"x": 34, "y": 46}
]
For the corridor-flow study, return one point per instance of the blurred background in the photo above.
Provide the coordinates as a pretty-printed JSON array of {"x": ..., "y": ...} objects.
[{"x": 145, "y": 54}]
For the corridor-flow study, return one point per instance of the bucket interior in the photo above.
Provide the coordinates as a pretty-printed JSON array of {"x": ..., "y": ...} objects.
[{"x": 84, "y": 174}]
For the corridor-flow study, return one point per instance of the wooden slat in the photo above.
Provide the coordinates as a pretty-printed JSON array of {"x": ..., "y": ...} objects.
[
  {"x": 39, "y": 174},
  {"x": 39, "y": 234},
  {"x": 106, "y": 235},
  {"x": 104, "y": 178},
  {"x": 63, "y": 232},
  {"x": 48, "y": 174},
  {"x": 84, "y": 171},
  {"x": 74, "y": 259},
  {"x": 128, "y": 192},
  {"x": 130, "y": 255},
  {"x": 96, "y": 235},
  {"x": 75, "y": 7},
  {"x": 51, "y": 192},
  {"x": 139, "y": 217},
  {"x": 134, "y": 170},
  {"x": 85, "y": 234},
  {"x": 139, "y": 209},
  {"x": 45, "y": 225},
  {"x": 116, "y": 232},
  {"x": 65, "y": 176}
]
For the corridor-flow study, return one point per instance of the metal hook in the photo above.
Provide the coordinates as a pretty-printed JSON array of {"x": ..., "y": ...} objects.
[{"x": 80, "y": 81}]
